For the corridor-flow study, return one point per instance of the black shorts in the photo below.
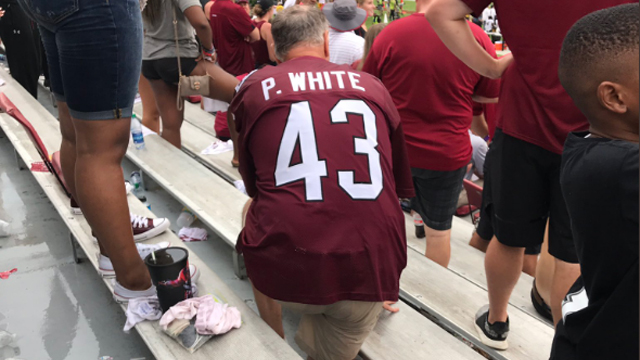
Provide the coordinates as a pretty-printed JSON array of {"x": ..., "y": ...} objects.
[
  {"x": 521, "y": 192},
  {"x": 437, "y": 195},
  {"x": 485, "y": 228},
  {"x": 167, "y": 69}
]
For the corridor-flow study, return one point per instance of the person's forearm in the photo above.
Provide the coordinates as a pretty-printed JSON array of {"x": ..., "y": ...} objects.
[
  {"x": 205, "y": 36},
  {"x": 447, "y": 19}
]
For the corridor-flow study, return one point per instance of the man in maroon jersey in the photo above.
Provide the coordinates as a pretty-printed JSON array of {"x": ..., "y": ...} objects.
[
  {"x": 434, "y": 93},
  {"x": 535, "y": 115},
  {"x": 322, "y": 155},
  {"x": 233, "y": 31}
]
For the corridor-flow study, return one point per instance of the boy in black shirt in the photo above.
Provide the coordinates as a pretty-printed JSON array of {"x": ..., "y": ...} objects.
[{"x": 599, "y": 69}]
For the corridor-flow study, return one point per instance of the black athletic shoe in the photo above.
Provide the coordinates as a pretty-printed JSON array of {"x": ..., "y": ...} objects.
[
  {"x": 493, "y": 335},
  {"x": 538, "y": 303},
  {"x": 420, "y": 232},
  {"x": 405, "y": 204}
]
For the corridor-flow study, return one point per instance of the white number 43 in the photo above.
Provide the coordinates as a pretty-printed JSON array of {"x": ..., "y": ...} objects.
[{"x": 299, "y": 130}]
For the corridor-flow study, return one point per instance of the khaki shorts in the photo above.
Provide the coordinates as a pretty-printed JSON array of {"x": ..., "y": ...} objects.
[{"x": 336, "y": 331}]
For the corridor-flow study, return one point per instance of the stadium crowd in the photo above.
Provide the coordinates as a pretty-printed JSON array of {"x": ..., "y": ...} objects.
[{"x": 337, "y": 119}]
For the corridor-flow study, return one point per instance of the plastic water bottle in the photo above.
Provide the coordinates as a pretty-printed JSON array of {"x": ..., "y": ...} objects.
[
  {"x": 185, "y": 219},
  {"x": 136, "y": 181},
  {"x": 144, "y": 201},
  {"x": 136, "y": 132}
]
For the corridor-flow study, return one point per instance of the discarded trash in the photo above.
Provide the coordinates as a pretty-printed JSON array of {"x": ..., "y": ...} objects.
[
  {"x": 218, "y": 147},
  {"x": 192, "y": 234},
  {"x": 239, "y": 184},
  {"x": 5, "y": 275}
]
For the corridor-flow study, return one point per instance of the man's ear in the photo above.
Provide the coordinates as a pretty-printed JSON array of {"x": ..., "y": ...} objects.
[
  {"x": 613, "y": 97},
  {"x": 326, "y": 44}
]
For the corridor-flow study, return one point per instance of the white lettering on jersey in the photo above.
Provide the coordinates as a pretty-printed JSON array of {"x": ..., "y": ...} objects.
[
  {"x": 315, "y": 80},
  {"x": 338, "y": 75},
  {"x": 574, "y": 302},
  {"x": 354, "y": 81},
  {"x": 297, "y": 82},
  {"x": 327, "y": 80},
  {"x": 267, "y": 84}
]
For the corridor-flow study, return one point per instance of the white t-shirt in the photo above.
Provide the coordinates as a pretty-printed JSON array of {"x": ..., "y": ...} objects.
[
  {"x": 345, "y": 47},
  {"x": 488, "y": 19},
  {"x": 289, "y": 3}
]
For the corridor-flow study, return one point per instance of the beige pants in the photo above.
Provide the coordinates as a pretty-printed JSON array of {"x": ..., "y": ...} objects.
[{"x": 336, "y": 331}]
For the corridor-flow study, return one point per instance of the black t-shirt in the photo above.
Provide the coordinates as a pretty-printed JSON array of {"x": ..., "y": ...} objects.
[{"x": 599, "y": 180}]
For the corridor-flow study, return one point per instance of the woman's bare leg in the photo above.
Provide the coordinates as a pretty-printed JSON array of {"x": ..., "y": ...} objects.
[
  {"x": 172, "y": 118},
  {"x": 150, "y": 113},
  {"x": 99, "y": 185}
]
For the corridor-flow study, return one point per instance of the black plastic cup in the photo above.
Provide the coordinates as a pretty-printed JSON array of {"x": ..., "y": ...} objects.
[{"x": 171, "y": 276}]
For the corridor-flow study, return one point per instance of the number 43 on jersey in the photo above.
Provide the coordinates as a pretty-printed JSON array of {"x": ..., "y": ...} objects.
[{"x": 299, "y": 130}]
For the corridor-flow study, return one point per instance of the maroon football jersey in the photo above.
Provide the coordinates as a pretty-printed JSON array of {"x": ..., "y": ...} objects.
[{"x": 322, "y": 154}]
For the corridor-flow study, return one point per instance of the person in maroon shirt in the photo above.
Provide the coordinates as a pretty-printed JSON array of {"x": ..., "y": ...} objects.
[
  {"x": 233, "y": 32},
  {"x": 322, "y": 155},
  {"x": 535, "y": 114},
  {"x": 263, "y": 50},
  {"x": 434, "y": 93}
]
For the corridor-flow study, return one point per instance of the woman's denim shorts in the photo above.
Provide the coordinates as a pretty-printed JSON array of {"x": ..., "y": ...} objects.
[{"x": 94, "y": 50}]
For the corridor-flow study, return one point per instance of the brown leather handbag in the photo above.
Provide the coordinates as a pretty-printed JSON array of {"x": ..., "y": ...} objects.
[{"x": 188, "y": 85}]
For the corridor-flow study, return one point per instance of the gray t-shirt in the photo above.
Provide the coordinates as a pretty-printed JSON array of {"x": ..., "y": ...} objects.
[{"x": 159, "y": 38}]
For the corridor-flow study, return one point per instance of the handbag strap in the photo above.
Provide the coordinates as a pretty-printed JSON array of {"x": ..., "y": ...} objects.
[
  {"x": 175, "y": 35},
  {"x": 175, "y": 32}
]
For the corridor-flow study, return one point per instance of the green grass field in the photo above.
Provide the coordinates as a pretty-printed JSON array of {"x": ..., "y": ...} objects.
[{"x": 409, "y": 8}]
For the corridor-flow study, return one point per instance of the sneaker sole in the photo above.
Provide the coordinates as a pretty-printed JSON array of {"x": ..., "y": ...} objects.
[
  {"x": 498, "y": 345},
  {"x": 107, "y": 273},
  {"x": 153, "y": 232}
]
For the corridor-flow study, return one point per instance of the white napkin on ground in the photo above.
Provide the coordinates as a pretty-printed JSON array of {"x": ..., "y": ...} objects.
[
  {"x": 192, "y": 234},
  {"x": 239, "y": 184},
  {"x": 218, "y": 147},
  {"x": 140, "y": 309}
]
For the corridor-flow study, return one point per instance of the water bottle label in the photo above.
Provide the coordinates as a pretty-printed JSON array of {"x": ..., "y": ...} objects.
[{"x": 138, "y": 138}]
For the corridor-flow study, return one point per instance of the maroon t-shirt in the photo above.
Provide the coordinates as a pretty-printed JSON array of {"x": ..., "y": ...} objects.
[
  {"x": 432, "y": 90},
  {"x": 322, "y": 154},
  {"x": 230, "y": 25},
  {"x": 260, "y": 49},
  {"x": 533, "y": 105}
]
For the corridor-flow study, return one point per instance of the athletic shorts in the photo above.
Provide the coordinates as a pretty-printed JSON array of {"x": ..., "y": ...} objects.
[
  {"x": 94, "y": 49},
  {"x": 522, "y": 191},
  {"x": 485, "y": 231},
  {"x": 335, "y": 331},
  {"x": 167, "y": 69},
  {"x": 437, "y": 194}
]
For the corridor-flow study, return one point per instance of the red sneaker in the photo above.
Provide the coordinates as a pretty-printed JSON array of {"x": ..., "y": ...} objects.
[{"x": 145, "y": 228}]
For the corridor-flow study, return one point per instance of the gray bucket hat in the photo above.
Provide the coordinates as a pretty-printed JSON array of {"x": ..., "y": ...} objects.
[{"x": 344, "y": 15}]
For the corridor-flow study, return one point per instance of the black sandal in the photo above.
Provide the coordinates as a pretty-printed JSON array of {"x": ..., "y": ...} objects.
[{"x": 538, "y": 303}]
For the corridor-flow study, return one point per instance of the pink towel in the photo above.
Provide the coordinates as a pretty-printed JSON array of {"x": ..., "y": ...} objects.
[{"x": 212, "y": 318}]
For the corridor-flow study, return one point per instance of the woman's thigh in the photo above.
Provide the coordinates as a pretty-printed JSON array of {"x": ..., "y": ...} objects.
[{"x": 97, "y": 49}]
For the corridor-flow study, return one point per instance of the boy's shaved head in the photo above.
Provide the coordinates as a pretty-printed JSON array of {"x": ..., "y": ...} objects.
[
  {"x": 601, "y": 48},
  {"x": 596, "y": 44}
]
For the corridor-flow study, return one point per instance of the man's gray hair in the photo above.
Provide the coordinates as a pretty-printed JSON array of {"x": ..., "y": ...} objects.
[{"x": 298, "y": 25}]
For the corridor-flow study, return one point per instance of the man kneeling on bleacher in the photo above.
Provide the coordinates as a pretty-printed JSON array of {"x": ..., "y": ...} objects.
[{"x": 322, "y": 155}]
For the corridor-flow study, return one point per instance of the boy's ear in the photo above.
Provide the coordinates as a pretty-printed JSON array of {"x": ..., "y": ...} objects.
[{"x": 612, "y": 96}]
